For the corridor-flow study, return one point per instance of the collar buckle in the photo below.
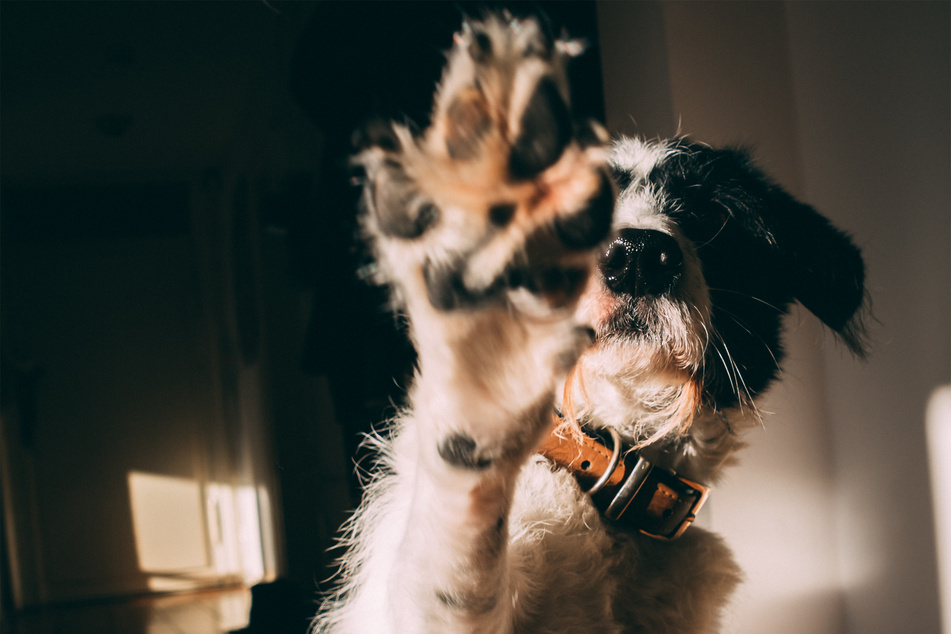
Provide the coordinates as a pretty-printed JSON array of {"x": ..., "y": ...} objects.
[
  {"x": 628, "y": 489},
  {"x": 657, "y": 501}
]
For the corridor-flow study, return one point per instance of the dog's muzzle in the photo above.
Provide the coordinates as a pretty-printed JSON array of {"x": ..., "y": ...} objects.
[{"x": 627, "y": 488}]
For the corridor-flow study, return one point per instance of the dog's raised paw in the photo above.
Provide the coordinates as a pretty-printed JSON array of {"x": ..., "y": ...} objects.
[{"x": 504, "y": 194}]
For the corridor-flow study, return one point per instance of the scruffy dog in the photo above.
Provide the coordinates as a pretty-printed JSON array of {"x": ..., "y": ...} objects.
[{"x": 650, "y": 329}]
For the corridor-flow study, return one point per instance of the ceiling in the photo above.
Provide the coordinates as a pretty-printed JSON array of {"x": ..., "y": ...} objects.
[{"x": 136, "y": 87}]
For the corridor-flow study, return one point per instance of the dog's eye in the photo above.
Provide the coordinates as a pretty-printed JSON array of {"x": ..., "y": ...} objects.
[
  {"x": 702, "y": 226},
  {"x": 622, "y": 178}
]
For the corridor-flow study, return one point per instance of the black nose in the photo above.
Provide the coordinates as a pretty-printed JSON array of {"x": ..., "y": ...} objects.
[{"x": 642, "y": 262}]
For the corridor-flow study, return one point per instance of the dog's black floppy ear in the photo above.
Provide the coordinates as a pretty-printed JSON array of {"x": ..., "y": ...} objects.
[
  {"x": 824, "y": 267},
  {"x": 821, "y": 265}
]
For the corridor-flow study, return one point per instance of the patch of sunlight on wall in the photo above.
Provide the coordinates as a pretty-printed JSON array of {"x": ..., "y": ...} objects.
[
  {"x": 222, "y": 532},
  {"x": 167, "y": 514},
  {"x": 187, "y": 532},
  {"x": 236, "y": 531},
  {"x": 249, "y": 534},
  {"x": 939, "y": 453},
  {"x": 268, "y": 542}
]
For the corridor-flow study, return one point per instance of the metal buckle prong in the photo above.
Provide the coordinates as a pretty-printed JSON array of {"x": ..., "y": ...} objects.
[{"x": 629, "y": 489}]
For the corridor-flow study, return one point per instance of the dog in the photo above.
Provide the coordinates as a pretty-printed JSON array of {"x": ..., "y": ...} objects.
[{"x": 594, "y": 321}]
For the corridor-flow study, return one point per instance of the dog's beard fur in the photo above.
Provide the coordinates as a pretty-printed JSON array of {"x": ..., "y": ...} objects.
[{"x": 641, "y": 377}]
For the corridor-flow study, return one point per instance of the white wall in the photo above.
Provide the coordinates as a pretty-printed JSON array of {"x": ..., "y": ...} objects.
[
  {"x": 828, "y": 512},
  {"x": 872, "y": 86}
]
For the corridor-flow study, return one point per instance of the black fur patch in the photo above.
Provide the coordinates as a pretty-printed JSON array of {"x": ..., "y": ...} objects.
[
  {"x": 760, "y": 250},
  {"x": 397, "y": 210},
  {"x": 375, "y": 132},
  {"x": 589, "y": 134},
  {"x": 622, "y": 178},
  {"x": 541, "y": 47},
  {"x": 448, "y": 599},
  {"x": 480, "y": 47},
  {"x": 469, "y": 123},
  {"x": 427, "y": 214},
  {"x": 501, "y": 214},
  {"x": 471, "y": 603},
  {"x": 560, "y": 284},
  {"x": 446, "y": 290},
  {"x": 544, "y": 132},
  {"x": 592, "y": 224},
  {"x": 460, "y": 450}
]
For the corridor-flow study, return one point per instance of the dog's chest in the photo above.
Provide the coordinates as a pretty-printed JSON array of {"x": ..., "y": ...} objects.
[{"x": 563, "y": 578}]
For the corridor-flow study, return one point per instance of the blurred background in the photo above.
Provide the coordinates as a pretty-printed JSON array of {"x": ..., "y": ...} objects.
[{"x": 189, "y": 356}]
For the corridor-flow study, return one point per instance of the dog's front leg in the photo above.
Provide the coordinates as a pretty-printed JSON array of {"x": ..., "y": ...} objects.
[
  {"x": 480, "y": 405},
  {"x": 484, "y": 227}
]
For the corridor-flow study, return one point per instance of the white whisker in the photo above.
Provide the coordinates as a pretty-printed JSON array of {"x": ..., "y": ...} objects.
[{"x": 748, "y": 296}]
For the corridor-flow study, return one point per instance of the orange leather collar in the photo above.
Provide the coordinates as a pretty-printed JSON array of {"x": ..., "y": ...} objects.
[{"x": 627, "y": 488}]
